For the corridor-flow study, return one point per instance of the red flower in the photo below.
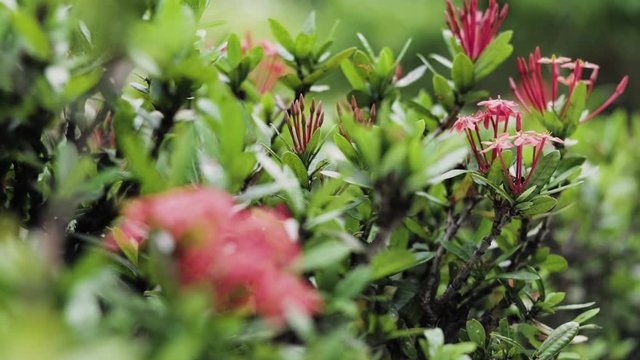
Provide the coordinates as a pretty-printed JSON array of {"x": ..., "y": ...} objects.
[
  {"x": 245, "y": 257},
  {"x": 532, "y": 94},
  {"x": 300, "y": 128},
  {"x": 502, "y": 111},
  {"x": 474, "y": 29}
]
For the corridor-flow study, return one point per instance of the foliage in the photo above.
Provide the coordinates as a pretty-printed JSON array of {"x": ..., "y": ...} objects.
[{"x": 254, "y": 226}]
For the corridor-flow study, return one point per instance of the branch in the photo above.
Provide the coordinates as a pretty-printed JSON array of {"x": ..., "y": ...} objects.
[
  {"x": 433, "y": 278},
  {"x": 449, "y": 120},
  {"x": 529, "y": 244},
  {"x": 502, "y": 217},
  {"x": 380, "y": 241}
]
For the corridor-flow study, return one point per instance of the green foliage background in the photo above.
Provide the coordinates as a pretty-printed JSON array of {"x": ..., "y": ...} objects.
[
  {"x": 603, "y": 32},
  {"x": 602, "y": 237},
  {"x": 599, "y": 235}
]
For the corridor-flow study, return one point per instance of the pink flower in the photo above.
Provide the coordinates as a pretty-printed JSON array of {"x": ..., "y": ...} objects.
[
  {"x": 499, "y": 107},
  {"x": 542, "y": 138},
  {"x": 474, "y": 29},
  {"x": 469, "y": 122},
  {"x": 533, "y": 96},
  {"x": 270, "y": 68},
  {"x": 502, "y": 142},
  {"x": 246, "y": 258}
]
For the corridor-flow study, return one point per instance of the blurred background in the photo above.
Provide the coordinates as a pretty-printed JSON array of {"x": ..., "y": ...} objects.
[
  {"x": 605, "y": 32},
  {"x": 599, "y": 234}
]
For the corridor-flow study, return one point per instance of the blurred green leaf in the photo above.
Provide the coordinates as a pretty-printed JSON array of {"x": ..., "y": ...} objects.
[
  {"x": 493, "y": 55},
  {"x": 462, "y": 72},
  {"x": 390, "y": 262}
]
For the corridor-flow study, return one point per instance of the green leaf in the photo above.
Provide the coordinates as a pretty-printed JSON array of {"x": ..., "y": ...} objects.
[
  {"x": 541, "y": 204},
  {"x": 496, "y": 173},
  {"x": 384, "y": 64},
  {"x": 81, "y": 85},
  {"x": 518, "y": 275},
  {"x": 368, "y": 143},
  {"x": 140, "y": 163},
  {"x": 442, "y": 60},
  {"x": 234, "y": 51},
  {"x": 291, "y": 81},
  {"x": 198, "y": 6},
  {"x": 411, "y": 77},
  {"x": 586, "y": 316},
  {"x": 393, "y": 261},
  {"x": 183, "y": 155},
  {"x": 493, "y": 55},
  {"x": 557, "y": 340},
  {"x": 547, "y": 165},
  {"x": 366, "y": 45},
  {"x": 345, "y": 147},
  {"x": 293, "y": 161},
  {"x": 525, "y": 194},
  {"x": 576, "y": 108},
  {"x": 309, "y": 26},
  {"x": 575, "y": 306},
  {"x": 443, "y": 91},
  {"x": 128, "y": 246},
  {"x": 435, "y": 340},
  {"x": 479, "y": 179},
  {"x": 554, "y": 263},
  {"x": 554, "y": 298},
  {"x": 332, "y": 63},
  {"x": 324, "y": 255},
  {"x": 353, "y": 76},
  {"x": 353, "y": 284},
  {"x": 416, "y": 228},
  {"x": 304, "y": 45},
  {"x": 462, "y": 73},
  {"x": 33, "y": 36},
  {"x": 476, "y": 332},
  {"x": 282, "y": 35}
]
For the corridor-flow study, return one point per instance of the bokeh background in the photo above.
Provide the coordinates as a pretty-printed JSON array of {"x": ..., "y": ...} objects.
[
  {"x": 600, "y": 233},
  {"x": 605, "y": 32}
]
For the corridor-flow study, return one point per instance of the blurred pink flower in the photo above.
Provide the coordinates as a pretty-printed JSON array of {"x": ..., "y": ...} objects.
[{"x": 245, "y": 257}]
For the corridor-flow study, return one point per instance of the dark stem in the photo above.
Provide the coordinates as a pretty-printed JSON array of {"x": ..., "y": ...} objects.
[
  {"x": 449, "y": 120},
  {"x": 529, "y": 245},
  {"x": 380, "y": 241},
  {"x": 502, "y": 217},
  {"x": 433, "y": 278}
]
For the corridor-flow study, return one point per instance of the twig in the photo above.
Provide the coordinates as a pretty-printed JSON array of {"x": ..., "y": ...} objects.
[
  {"x": 502, "y": 217},
  {"x": 449, "y": 120},
  {"x": 529, "y": 244},
  {"x": 380, "y": 241},
  {"x": 433, "y": 278}
]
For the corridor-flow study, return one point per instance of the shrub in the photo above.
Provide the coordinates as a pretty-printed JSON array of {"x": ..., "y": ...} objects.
[{"x": 167, "y": 198}]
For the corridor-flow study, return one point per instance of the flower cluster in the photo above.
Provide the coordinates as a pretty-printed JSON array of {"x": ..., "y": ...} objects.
[
  {"x": 474, "y": 29},
  {"x": 534, "y": 96},
  {"x": 357, "y": 113},
  {"x": 497, "y": 115},
  {"x": 271, "y": 67},
  {"x": 244, "y": 256},
  {"x": 301, "y": 128}
]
